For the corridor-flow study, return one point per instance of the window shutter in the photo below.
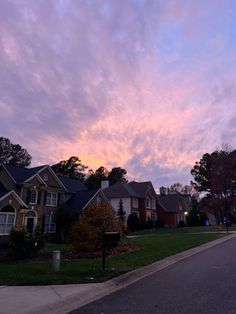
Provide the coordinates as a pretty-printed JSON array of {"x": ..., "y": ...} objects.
[
  {"x": 58, "y": 199},
  {"x": 39, "y": 197},
  {"x": 43, "y": 223},
  {"x": 28, "y": 195},
  {"x": 45, "y": 197}
]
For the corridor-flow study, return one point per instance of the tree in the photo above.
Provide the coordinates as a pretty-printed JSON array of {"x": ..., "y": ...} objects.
[
  {"x": 86, "y": 234},
  {"x": 94, "y": 179},
  {"x": 117, "y": 174},
  {"x": 121, "y": 215},
  {"x": 215, "y": 174},
  {"x": 13, "y": 154},
  {"x": 121, "y": 212},
  {"x": 71, "y": 167}
]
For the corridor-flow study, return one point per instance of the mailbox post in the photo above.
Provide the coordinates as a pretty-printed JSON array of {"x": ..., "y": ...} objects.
[{"x": 108, "y": 239}]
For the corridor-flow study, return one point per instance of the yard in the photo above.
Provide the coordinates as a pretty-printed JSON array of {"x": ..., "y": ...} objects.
[{"x": 150, "y": 246}]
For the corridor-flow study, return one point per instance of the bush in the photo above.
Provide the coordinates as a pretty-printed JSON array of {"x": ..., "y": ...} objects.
[
  {"x": 181, "y": 224},
  {"x": 23, "y": 244},
  {"x": 196, "y": 218},
  {"x": 86, "y": 234},
  {"x": 133, "y": 222},
  {"x": 160, "y": 223}
]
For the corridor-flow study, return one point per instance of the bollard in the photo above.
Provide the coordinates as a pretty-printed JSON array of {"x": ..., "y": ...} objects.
[{"x": 56, "y": 260}]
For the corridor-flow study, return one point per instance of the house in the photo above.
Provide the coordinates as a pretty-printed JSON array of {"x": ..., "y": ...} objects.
[
  {"x": 172, "y": 207},
  {"x": 30, "y": 197},
  {"x": 137, "y": 197}
]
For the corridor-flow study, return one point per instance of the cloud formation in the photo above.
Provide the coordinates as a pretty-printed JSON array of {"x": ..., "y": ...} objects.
[{"x": 144, "y": 84}]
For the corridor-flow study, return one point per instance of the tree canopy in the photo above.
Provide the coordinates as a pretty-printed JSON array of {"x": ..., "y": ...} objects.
[
  {"x": 215, "y": 174},
  {"x": 13, "y": 154},
  {"x": 117, "y": 174},
  {"x": 71, "y": 167},
  {"x": 95, "y": 178}
]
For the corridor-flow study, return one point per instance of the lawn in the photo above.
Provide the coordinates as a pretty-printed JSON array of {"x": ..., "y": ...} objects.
[{"x": 152, "y": 247}]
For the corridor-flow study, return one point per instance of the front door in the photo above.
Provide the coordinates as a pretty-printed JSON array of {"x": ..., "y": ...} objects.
[{"x": 30, "y": 224}]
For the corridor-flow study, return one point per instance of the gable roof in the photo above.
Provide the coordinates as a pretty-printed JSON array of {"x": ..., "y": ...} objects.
[
  {"x": 120, "y": 190},
  {"x": 81, "y": 199},
  {"x": 72, "y": 185},
  {"x": 141, "y": 188},
  {"x": 3, "y": 190},
  {"x": 13, "y": 193},
  {"x": 171, "y": 202},
  {"x": 21, "y": 174}
]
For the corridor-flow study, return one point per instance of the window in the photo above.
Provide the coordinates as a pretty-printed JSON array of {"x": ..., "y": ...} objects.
[
  {"x": 148, "y": 202},
  {"x": 7, "y": 218},
  {"x": 49, "y": 224},
  {"x": 51, "y": 199},
  {"x": 135, "y": 202},
  {"x": 33, "y": 197},
  {"x": 153, "y": 203}
]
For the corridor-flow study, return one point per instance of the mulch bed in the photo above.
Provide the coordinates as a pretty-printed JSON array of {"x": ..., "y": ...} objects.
[{"x": 5, "y": 255}]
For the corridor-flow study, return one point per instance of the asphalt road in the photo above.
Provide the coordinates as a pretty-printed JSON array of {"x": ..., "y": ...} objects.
[{"x": 203, "y": 283}]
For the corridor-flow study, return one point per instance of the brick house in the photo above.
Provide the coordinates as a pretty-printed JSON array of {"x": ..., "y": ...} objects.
[
  {"x": 30, "y": 197},
  {"x": 137, "y": 197},
  {"x": 172, "y": 207}
]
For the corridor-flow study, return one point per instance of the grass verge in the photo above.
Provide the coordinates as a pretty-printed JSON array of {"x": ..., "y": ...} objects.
[{"x": 152, "y": 247}]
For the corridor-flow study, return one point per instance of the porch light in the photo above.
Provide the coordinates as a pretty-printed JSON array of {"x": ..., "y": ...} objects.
[{"x": 185, "y": 213}]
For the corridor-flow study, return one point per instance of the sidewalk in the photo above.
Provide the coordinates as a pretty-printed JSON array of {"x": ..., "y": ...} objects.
[{"x": 61, "y": 299}]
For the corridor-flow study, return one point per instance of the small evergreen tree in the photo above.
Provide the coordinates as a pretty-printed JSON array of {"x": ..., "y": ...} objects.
[{"x": 121, "y": 212}]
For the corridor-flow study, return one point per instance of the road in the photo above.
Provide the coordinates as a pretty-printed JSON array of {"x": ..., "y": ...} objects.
[{"x": 203, "y": 283}]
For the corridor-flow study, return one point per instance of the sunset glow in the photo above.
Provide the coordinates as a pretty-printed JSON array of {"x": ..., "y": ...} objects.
[{"x": 148, "y": 85}]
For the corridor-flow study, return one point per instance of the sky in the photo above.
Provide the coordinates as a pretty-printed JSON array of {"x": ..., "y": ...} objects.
[{"x": 148, "y": 85}]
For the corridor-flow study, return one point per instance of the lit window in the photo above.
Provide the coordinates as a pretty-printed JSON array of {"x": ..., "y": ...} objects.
[
  {"x": 49, "y": 224},
  {"x": 7, "y": 218},
  {"x": 33, "y": 197},
  {"x": 51, "y": 199}
]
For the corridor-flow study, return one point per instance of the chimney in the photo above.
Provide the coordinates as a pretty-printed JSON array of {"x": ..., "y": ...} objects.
[
  {"x": 104, "y": 184},
  {"x": 163, "y": 190}
]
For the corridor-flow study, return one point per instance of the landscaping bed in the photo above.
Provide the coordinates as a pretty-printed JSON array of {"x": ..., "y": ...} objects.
[{"x": 139, "y": 251}]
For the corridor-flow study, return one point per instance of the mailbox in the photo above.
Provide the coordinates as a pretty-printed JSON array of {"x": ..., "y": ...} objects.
[{"x": 111, "y": 238}]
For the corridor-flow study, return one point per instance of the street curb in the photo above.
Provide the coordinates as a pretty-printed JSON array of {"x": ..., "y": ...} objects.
[{"x": 95, "y": 291}]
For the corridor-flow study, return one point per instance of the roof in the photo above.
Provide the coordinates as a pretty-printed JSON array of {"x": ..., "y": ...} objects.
[
  {"x": 20, "y": 174},
  {"x": 71, "y": 184},
  {"x": 140, "y": 188},
  {"x": 171, "y": 202},
  {"x": 120, "y": 190},
  {"x": 3, "y": 190},
  {"x": 78, "y": 201}
]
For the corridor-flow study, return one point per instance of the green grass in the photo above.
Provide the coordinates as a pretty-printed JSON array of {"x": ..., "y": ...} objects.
[{"x": 152, "y": 247}]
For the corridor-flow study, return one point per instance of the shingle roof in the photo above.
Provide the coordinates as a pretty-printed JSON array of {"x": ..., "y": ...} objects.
[
  {"x": 140, "y": 187},
  {"x": 20, "y": 174},
  {"x": 171, "y": 202},
  {"x": 3, "y": 190},
  {"x": 119, "y": 190},
  {"x": 72, "y": 185},
  {"x": 78, "y": 201}
]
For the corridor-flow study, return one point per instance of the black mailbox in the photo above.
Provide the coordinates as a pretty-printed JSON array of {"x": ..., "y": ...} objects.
[{"x": 111, "y": 238}]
